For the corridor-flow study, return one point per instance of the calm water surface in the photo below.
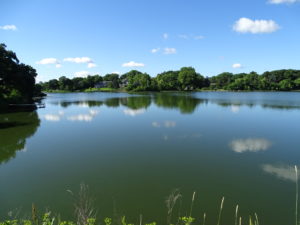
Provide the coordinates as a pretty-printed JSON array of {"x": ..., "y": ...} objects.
[{"x": 133, "y": 150}]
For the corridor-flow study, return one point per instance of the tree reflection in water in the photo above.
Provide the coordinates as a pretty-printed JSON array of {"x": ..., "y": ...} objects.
[{"x": 15, "y": 128}]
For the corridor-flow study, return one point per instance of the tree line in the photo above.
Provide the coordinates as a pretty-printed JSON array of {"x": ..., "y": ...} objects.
[
  {"x": 185, "y": 79},
  {"x": 18, "y": 86}
]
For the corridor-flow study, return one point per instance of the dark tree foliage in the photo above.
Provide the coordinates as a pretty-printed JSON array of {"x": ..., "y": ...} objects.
[{"x": 17, "y": 80}]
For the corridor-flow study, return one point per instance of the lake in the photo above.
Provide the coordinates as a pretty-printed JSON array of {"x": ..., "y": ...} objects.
[{"x": 133, "y": 150}]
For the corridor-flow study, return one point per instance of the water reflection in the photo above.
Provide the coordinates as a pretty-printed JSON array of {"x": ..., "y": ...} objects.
[
  {"x": 235, "y": 108},
  {"x": 52, "y": 117},
  {"x": 186, "y": 103},
  {"x": 15, "y": 128},
  {"x": 250, "y": 144},
  {"x": 166, "y": 124},
  {"x": 284, "y": 172},
  {"x": 134, "y": 112}
]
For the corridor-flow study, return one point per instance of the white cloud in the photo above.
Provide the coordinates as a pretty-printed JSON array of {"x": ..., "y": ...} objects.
[
  {"x": 116, "y": 72},
  {"x": 91, "y": 65},
  {"x": 282, "y": 1},
  {"x": 250, "y": 144},
  {"x": 169, "y": 51},
  {"x": 236, "y": 66},
  {"x": 8, "y": 27},
  {"x": 165, "y": 36},
  {"x": 183, "y": 36},
  {"x": 199, "y": 37},
  {"x": 284, "y": 172},
  {"x": 58, "y": 65},
  {"x": 48, "y": 61},
  {"x": 79, "y": 60},
  {"x": 245, "y": 25},
  {"x": 82, "y": 73},
  {"x": 133, "y": 64},
  {"x": 132, "y": 112},
  {"x": 52, "y": 117},
  {"x": 154, "y": 50}
]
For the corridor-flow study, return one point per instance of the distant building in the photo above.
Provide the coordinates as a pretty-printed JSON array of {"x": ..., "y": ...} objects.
[
  {"x": 103, "y": 84},
  {"x": 123, "y": 83}
]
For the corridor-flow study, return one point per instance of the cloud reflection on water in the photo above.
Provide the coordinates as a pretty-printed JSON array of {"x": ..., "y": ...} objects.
[
  {"x": 52, "y": 117},
  {"x": 166, "y": 124},
  {"x": 235, "y": 108},
  {"x": 79, "y": 117},
  {"x": 134, "y": 112},
  {"x": 284, "y": 172},
  {"x": 250, "y": 144},
  {"x": 84, "y": 117}
]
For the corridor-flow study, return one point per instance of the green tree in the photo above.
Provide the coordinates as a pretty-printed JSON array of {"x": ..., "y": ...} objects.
[
  {"x": 17, "y": 80},
  {"x": 188, "y": 79},
  {"x": 168, "y": 80}
]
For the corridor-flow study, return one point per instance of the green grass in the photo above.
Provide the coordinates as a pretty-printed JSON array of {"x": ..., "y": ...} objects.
[{"x": 106, "y": 89}]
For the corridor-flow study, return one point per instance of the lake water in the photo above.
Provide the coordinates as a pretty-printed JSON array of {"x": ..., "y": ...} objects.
[{"x": 133, "y": 150}]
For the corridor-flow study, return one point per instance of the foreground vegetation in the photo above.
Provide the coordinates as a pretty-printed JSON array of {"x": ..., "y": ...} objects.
[
  {"x": 186, "y": 79},
  {"x": 86, "y": 214}
]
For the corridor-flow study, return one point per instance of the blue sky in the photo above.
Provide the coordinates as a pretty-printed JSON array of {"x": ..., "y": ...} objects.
[{"x": 73, "y": 38}]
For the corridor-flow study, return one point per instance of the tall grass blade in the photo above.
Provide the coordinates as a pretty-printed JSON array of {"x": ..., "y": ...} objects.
[
  {"x": 204, "y": 218},
  {"x": 193, "y": 198},
  {"x": 220, "y": 212},
  {"x": 256, "y": 217},
  {"x": 236, "y": 214}
]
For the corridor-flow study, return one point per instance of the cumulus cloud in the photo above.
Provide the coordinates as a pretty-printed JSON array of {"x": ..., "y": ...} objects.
[
  {"x": 8, "y": 27},
  {"x": 250, "y": 144},
  {"x": 284, "y": 172},
  {"x": 245, "y": 25},
  {"x": 82, "y": 73},
  {"x": 91, "y": 65},
  {"x": 154, "y": 50},
  {"x": 169, "y": 51},
  {"x": 116, "y": 72},
  {"x": 282, "y": 1},
  {"x": 236, "y": 66},
  {"x": 47, "y": 61},
  {"x": 133, "y": 64},
  {"x": 79, "y": 60},
  {"x": 165, "y": 36},
  {"x": 133, "y": 112}
]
